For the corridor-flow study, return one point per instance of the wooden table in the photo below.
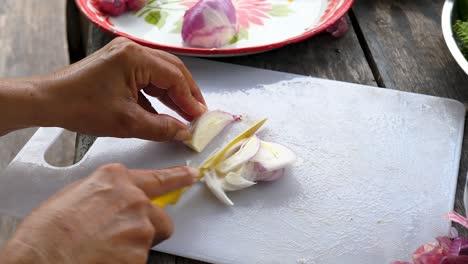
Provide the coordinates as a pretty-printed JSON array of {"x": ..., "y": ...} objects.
[
  {"x": 391, "y": 44},
  {"x": 32, "y": 41}
]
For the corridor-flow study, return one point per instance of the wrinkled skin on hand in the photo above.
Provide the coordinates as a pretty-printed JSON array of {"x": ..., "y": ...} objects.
[
  {"x": 102, "y": 95},
  {"x": 104, "y": 218}
]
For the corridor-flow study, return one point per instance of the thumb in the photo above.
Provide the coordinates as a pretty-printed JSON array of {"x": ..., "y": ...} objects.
[
  {"x": 158, "y": 182},
  {"x": 158, "y": 127}
]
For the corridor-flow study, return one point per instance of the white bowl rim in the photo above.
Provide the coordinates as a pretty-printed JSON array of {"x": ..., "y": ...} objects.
[{"x": 447, "y": 30}]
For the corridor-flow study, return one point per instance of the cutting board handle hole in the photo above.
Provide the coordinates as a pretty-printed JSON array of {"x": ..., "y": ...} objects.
[{"x": 61, "y": 152}]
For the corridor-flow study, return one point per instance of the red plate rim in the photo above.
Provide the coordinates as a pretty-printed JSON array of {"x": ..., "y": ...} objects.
[{"x": 338, "y": 14}]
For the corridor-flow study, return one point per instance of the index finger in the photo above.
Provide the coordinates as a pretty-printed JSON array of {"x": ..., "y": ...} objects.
[
  {"x": 196, "y": 92},
  {"x": 170, "y": 77},
  {"x": 158, "y": 182}
]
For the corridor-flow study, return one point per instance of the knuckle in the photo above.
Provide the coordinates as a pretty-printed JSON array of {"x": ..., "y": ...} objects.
[
  {"x": 130, "y": 46},
  {"x": 165, "y": 130},
  {"x": 113, "y": 168},
  {"x": 124, "y": 50},
  {"x": 179, "y": 75},
  {"x": 148, "y": 230},
  {"x": 157, "y": 178},
  {"x": 119, "y": 40},
  {"x": 166, "y": 231},
  {"x": 177, "y": 61},
  {"x": 110, "y": 173},
  {"x": 138, "y": 201},
  {"x": 185, "y": 169}
]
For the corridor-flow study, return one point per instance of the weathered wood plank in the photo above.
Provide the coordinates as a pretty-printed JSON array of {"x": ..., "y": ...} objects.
[
  {"x": 32, "y": 41},
  {"x": 322, "y": 56},
  {"x": 32, "y": 37},
  {"x": 160, "y": 258},
  {"x": 181, "y": 260},
  {"x": 405, "y": 40}
]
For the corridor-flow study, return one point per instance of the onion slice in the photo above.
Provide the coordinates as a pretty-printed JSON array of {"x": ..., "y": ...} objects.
[
  {"x": 207, "y": 127},
  {"x": 246, "y": 152},
  {"x": 214, "y": 184},
  {"x": 270, "y": 175},
  {"x": 272, "y": 157},
  {"x": 235, "y": 181}
]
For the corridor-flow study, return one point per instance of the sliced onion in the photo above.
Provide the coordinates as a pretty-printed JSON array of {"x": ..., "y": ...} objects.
[
  {"x": 234, "y": 181},
  {"x": 207, "y": 127},
  {"x": 214, "y": 184},
  {"x": 248, "y": 150},
  {"x": 454, "y": 260},
  {"x": 244, "y": 163},
  {"x": 270, "y": 175},
  {"x": 455, "y": 217},
  {"x": 272, "y": 157},
  {"x": 233, "y": 149}
]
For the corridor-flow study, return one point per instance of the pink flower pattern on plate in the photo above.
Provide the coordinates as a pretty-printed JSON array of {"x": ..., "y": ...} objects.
[{"x": 248, "y": 11}]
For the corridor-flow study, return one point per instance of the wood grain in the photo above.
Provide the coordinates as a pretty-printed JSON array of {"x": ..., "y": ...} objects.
[
  {"x": 322, "y": 56},
  {"x": 32, "y": 36},
  {"x": 405, "y": 40},
  {"x": 32, "y": 41}
]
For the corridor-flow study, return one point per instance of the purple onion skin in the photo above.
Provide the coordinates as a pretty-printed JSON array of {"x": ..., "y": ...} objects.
[
  {"x": 464, "y": 250},
  {"x": 136, "y": 4},
  {"x": 339, "y": 29},
  {"x": 270, "y": 176},
  {"x": 454, "y": 260},
  {"x": 195, "y": 21},
  {"x": 112, "y": 7}
]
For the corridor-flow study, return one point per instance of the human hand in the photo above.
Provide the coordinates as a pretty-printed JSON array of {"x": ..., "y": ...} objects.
[
  {"x": 101, "y": 95},
  {"x": 104, "y": 218}
]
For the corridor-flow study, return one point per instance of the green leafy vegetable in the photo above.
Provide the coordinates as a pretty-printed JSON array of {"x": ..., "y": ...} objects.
[{"x": 461, "y": 30}]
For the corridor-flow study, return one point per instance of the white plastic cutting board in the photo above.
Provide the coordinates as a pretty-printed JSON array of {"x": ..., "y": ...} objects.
[{"x": 377, "y": 171}]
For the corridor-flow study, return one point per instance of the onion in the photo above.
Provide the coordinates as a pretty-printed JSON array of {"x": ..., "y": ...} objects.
[
  {"x": 235, "y": 181},
  {"x": 246, "y": 162},
  {"x": 272, "y": 157},
  {"x": 339, "y": 29},
  {"x": 136, "y": 4},
  {"x": 454, "y": 260},
  {"x": 246, "y": 152},
  {"x": 270, "y": 175},
  {"x": 457, "y": 219},
  {"x": 210, "y": 24},
  {"x": 214, "y": 184},
  {"x": 112, "y": 7},
  {"x": 207, "y": 127}
]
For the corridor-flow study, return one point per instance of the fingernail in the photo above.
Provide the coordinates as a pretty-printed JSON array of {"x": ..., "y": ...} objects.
[
  {"x": 183, "y": 134},
  {"x": 195, "y": 174},
  {"x": 203, "y": 107}
]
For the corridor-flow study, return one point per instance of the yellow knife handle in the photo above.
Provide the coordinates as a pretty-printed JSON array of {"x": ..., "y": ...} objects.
[{"x": 170, "y": 198}]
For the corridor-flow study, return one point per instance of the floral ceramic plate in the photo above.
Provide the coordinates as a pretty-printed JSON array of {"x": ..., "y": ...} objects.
[{"x": 263, "y": 24}]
